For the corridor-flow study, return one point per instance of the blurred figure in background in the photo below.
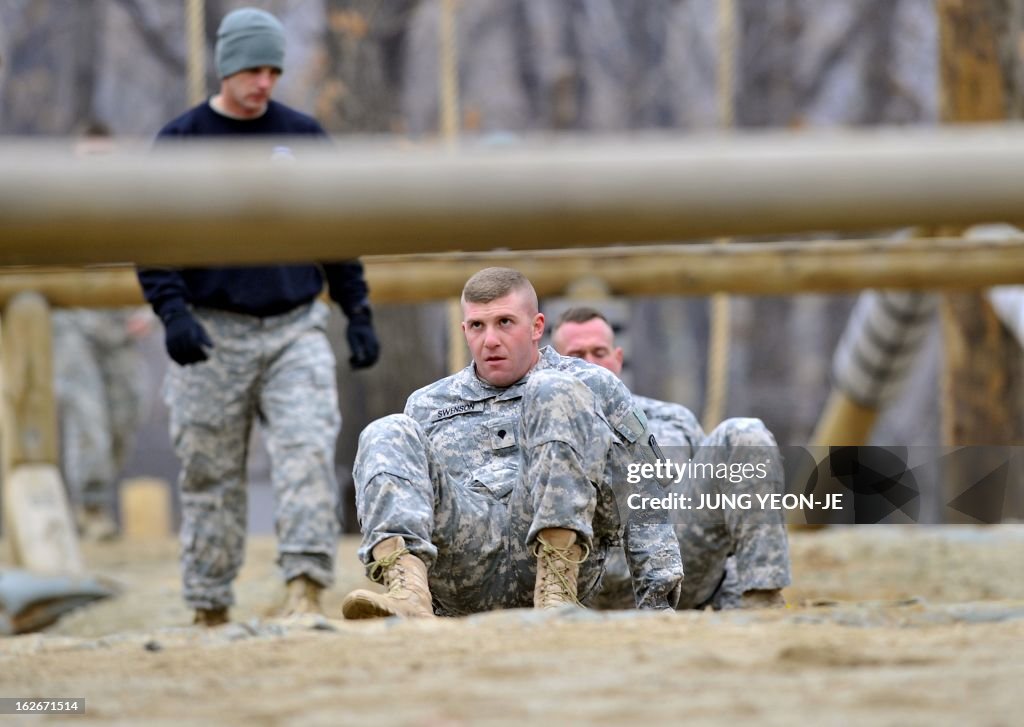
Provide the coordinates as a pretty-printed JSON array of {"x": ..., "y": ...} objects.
[{"x": 98, "y": 386}]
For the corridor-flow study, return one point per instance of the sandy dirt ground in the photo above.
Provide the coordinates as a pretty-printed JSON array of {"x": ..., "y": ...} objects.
[{"x": 886, "y": 625}]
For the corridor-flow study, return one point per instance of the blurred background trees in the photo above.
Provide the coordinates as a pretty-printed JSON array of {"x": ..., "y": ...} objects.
[{"x": 533, "y": 67}]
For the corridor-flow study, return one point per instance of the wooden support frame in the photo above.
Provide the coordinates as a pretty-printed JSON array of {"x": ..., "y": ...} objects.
[
  {"x": 766, "y": 268},
  {"x": 36, "y": 511},
  {"x": 981, "y": 386}
]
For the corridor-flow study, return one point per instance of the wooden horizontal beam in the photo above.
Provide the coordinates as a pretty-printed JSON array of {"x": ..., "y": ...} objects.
[
  {"x": 221, "y": 204},
  {"x": 769, "y": 268},
  {"x": 778, "y": 268},
  {"x": 74, "y": 287}
]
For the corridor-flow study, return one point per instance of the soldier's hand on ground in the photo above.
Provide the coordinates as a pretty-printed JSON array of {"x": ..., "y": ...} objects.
[
  {"x": 186, "y": 339},
  {"x": 362, "y": 340}
]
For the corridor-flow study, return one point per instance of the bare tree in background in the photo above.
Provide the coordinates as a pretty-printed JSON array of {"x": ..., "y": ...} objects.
[
  {"x": 600, "y": 64},
  {"x": 50, "y": 59},
  {"x": 767, "y": 92},
  {"x": 161, "y": 45},
  {"x": 525, "y": 65},
  {"x": 365, "y": 41},
  {"x": 85, "y": 48},
  {"x": 169, "y": 49},
  {"x": 365, "y": 52}
]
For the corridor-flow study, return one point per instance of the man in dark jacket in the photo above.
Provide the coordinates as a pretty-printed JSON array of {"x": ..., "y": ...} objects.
[{"x": 249, "y": 343}]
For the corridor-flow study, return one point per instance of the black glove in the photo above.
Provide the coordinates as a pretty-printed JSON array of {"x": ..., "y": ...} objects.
[
  {"x": 185, "y": 338},
  {"x": 362, "y": 341}
]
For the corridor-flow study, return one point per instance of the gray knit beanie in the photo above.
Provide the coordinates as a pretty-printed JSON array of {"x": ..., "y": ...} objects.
[{"x": 249, "y": 38}]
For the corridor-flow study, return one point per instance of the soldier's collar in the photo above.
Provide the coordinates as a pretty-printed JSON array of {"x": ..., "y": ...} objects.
[{"x": 472, "y": 388}]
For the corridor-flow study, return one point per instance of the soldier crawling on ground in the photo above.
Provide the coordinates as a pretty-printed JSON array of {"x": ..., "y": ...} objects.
[
  {"x": 734, "y": 557},
  {"x": 497, "y": 486}
]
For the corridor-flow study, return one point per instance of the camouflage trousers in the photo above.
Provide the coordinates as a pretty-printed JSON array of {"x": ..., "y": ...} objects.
[
  {"x": 97, "y": 383},
  {"x": 475, "y": 533},
  {"x": 278, "y": 370},
  {"x": 726, "y": 551}
]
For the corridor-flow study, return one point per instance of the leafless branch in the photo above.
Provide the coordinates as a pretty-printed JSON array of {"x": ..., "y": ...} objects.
[{"x": 155, "y": 39}]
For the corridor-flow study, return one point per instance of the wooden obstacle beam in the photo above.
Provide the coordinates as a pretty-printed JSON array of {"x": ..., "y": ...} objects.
[
  {"x": 768, "y": 268},
  {"x": 205, "y": 204}
]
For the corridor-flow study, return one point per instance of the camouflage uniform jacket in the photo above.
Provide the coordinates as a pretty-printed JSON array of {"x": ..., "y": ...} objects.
[
  {"x": 673, "y": 425},
  {"x": 472, "y": 427}
]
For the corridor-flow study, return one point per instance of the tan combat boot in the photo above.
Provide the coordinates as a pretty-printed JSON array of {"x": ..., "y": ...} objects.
[
  {"x": 303, "y": 597},
  {"x": 210, "y": 617},
  {"x": 558, "y": 567},
  {"x": 405, "y": 577}
]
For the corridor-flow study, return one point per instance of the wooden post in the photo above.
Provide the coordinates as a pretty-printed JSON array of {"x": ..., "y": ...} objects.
[
  {"x": 843, "y": 422},
  {"x": 196, "y": 33},
  {"x": 36, "y": 509},
  {"x": 981, "y": 379},
  {"x": 448, "y": 68},
  {"x": 29, "y": 408},
  {"x": 146, "y": 508},
  {"x": 716, "y": 390},
  {"x": 458, "y": 354}
]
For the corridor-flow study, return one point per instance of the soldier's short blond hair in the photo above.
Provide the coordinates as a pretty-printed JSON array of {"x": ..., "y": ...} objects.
[{"x": 492, "y": 283}]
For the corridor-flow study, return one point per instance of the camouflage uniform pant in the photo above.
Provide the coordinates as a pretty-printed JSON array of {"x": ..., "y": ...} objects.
[
  {"x": 279, "y": 370},
  {"x": 475, "y": 535},
  {"x": 726, "y": 551},
  {"x": 98, "y": 388}
]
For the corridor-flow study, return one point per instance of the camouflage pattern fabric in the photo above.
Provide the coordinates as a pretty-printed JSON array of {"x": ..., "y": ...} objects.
[
  {"x": 470, "y": 473},
  {"x": 278, "y": 370},
  {"x": 673, "y": 425},
  {"x": 725, "y": 551},
  {"x": 98, "y": 386}
]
